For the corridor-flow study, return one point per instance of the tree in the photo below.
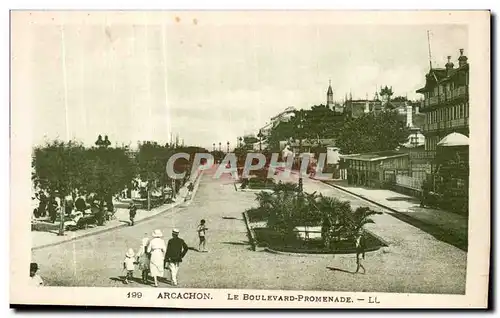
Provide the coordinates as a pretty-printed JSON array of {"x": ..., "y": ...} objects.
[
  {"x": 400, "y": 99},
  {"x": 108, "y": 171},
  {"x": 151, "y": 161},
  {"x": 248, "y": 141},
  {"x": 372, "y": 132},
  {"x": 59, "y": 169},
  {"x": 320, "y": 122},
  {"x": 386, "y": 92}
]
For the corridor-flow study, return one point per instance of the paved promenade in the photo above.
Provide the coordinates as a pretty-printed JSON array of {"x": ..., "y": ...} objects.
[
  {"x": 415, "y": 261},
  {"x": 452, "y": 227}
]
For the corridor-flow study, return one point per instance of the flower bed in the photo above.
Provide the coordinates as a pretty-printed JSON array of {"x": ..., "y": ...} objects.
[
  {"x": 258, "y": 183},
  {"x": 290, "y": 220},
  {"x": 266, "y": 237}
]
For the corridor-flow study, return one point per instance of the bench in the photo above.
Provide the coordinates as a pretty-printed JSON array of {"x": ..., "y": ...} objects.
[{"x": 85, "y": 221}]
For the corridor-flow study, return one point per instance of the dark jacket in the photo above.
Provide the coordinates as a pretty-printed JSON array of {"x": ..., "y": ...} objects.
[{"x": 176, "y": 250}]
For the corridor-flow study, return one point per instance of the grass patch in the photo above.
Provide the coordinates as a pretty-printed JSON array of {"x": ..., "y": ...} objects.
[{"x": 266, "y": 237}]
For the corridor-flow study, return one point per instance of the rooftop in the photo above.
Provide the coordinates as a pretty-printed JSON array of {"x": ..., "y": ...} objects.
[{"x": 375, "y": 156}]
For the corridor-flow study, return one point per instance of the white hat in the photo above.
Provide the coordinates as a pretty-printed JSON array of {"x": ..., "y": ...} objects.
[
  {"x": 157, "y": 233},
  {"x": 130, "y": 253},
  {"x": 175, "y": 231}
]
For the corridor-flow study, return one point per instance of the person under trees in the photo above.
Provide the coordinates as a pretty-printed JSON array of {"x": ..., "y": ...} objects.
[{"x": 61, "y": 168}]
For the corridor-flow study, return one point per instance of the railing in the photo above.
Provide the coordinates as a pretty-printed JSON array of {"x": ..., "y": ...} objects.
[
  {"x": 434, "y": 100},
  {"x": 447, "y": 124},
  {"x": 409, "y": 182},
  {"x": 426, "y": 155},
  {"x": 448, "y": 96}
]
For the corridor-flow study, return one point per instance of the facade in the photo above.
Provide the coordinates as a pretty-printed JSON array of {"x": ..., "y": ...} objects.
[
  {"x": 375, "y": 169},
  {"x": 446, "y": 102},
  {"x": 446, "y": 106},
  {"x": 283, "y": 116}
]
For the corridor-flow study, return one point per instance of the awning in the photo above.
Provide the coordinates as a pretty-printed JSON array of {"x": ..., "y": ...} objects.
[{"x": 454, "y": 140}]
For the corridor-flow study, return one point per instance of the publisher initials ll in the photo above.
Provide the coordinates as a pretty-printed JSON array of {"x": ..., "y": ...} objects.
[{"x": 373, "y": 300}]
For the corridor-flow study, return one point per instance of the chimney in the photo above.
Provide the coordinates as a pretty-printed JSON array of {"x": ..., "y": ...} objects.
[
  {"x": 462, "y": 59},
  {"x": 449, "y": 66},
  {"x": 409, "y": 115}
]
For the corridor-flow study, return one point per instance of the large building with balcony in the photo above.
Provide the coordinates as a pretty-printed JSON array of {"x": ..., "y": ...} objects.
[
  {"x": 446, "y": 102},
  {"x": 446, "y": 130}
]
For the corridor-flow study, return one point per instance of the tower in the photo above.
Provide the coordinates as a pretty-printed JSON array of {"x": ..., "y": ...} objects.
[{"x": 329, "y": 96}]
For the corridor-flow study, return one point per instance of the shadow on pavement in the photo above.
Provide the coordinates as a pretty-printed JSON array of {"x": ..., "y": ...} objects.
[
  {"x": 340, "y": 270},
  {"x": 236, "y": 243},
  {"x": 407, "y": 199},
  {"x": 193, "y": 249},
  {"x": 455, "y": 239},
  {"x": 231, "y": 218},
  {"x": 133, "y": 279}
]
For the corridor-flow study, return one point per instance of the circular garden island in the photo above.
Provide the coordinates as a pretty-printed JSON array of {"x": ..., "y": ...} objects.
[{"x": 289, "y": 220}]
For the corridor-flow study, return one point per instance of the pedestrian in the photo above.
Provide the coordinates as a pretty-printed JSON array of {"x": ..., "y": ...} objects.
[
  {"x": 157, "y": 249},
  {"x": 35, "y": 279},
  {"x": 202, "y": 236},
  {"x": 132, "y": 211},
  {"x": 360, "y": 251},
  {"x": 143, "y": 259},
  {"x": 176, "y": 250},
  {"x": 129, "y": 265}
]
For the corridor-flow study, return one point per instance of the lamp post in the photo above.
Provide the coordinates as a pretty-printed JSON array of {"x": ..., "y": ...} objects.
[
  {"x": 228, "y": 146},
  {"x": 241, "y": 141},
  {"x": 260, "y": 139},
  {"x": 214, "y": 146},
  {"x": 300, "y": 127},
  {"x": 220, "y": 146}
]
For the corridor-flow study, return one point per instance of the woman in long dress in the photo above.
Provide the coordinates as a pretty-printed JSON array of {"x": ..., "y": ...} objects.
[
  {"x": 157, "y": 249},
  {"x": 143, "y": 259}
]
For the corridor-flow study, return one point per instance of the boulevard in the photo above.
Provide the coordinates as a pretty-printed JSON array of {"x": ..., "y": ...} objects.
[{"x": 230, "y": 263}]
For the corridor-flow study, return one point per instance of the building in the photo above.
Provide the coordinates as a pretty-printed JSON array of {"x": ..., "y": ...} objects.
[
  {"x": 336, "y": 107},
  {"x": 446, "y": 102},
  {"x": 446, "y": 130},
  {"x": 376, "y": 169},
  {"x": 355, "y": 108},
  {"x": 283, "y": 116}
]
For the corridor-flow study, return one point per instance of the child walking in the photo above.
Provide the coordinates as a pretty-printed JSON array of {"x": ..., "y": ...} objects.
[
  {"x": 143, "y": 259},
  {"x": 360, "y": 251},
  {"x": 129, "y": 265},
  {"x": 201, "y": 235},
  {"x": 132, "y": 212}
]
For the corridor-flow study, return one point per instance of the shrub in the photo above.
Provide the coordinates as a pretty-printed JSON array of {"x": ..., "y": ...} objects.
[{"x": 286, "y": 208}]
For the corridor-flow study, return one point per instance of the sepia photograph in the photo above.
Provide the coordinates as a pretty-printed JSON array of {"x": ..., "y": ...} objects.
[{"x": 250, "y": 159}]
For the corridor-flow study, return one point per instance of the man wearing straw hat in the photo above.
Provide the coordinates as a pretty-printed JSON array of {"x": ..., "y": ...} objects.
[{"x": 176, "y": 250}]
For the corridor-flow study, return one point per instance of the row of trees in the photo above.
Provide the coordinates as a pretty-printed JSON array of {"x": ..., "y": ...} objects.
[
  {"x": 367, "y": 133},
  {"x": 64, "y": 169}
]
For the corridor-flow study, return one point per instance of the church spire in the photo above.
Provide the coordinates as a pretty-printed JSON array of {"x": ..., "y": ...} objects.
[{"x": 329, "y": 95}]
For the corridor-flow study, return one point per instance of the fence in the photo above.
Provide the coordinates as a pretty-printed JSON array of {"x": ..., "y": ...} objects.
[{"x": 409, "y": 182}]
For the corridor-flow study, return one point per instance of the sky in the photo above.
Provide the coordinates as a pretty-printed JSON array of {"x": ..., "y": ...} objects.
[{"x": 213, "y": 82}]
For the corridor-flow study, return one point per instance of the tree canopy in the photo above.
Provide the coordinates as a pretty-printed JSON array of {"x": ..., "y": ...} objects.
[
  {"x": 319, "y": 122},
  {"x": 67, "y": 167},
  {"x": 372, "y": 132}
]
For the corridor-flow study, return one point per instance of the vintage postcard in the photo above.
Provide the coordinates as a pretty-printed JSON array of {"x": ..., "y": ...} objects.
[{"x": 250, "y": 159}]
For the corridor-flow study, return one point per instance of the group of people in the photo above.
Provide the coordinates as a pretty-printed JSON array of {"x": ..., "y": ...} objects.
[{"x": 154, "y": 255}]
